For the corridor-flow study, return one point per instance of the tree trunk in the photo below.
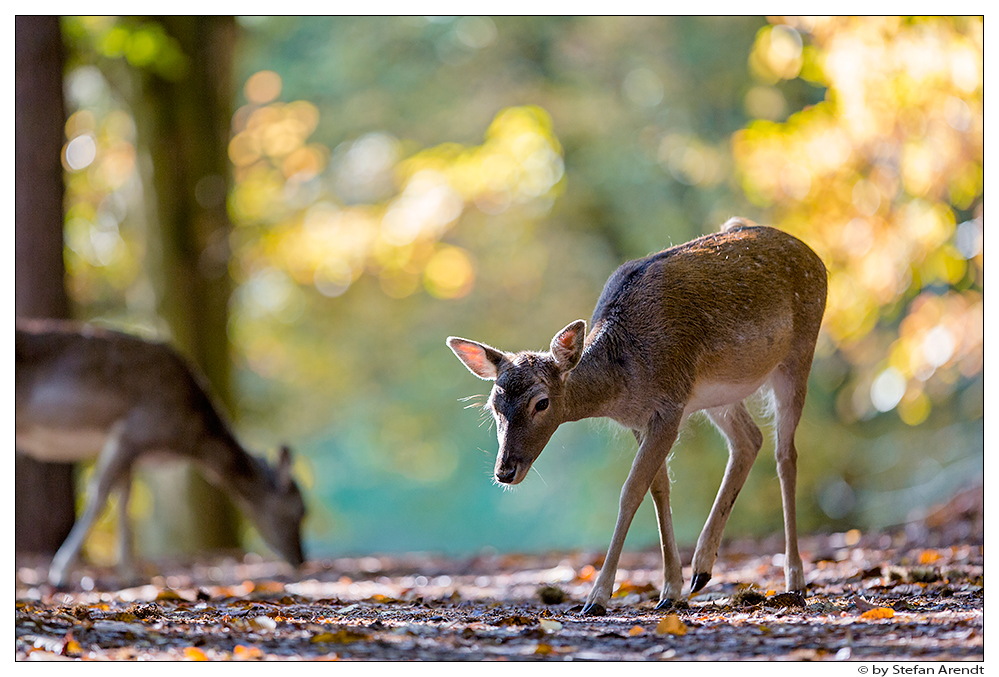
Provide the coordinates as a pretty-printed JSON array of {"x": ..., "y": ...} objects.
[
  {"x": 184, "y": 124},
  {"x": 43, "y": 492}
]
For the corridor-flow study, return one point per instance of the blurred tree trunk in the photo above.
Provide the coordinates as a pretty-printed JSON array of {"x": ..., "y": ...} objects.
[
  {"x": 43, "y": 492},
  {"x": 184, "y": 125}
]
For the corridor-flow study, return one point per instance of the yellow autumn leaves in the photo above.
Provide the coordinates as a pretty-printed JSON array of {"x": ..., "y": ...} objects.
[
  {"x": 327, "y": 217},
  {"x": 873, "y": 178}
]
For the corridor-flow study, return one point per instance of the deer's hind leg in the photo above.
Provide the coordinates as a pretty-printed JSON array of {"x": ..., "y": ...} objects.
[
  {"x": 113, "y": 461},
  {"x": 126, "y": 538},
  {"x": 790, "y": 382},
  {"x": 744, "y": 442}
]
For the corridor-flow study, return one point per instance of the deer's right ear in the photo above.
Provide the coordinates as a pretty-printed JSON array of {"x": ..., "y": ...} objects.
[{"x": 482, "y": 360}]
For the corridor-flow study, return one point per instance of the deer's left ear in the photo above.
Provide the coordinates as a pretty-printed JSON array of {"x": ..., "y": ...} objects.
[{"x": 567, "y": 346}]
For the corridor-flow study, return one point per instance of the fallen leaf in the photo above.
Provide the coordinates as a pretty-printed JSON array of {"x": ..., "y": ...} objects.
[
  {"x": 384, "y": 599},
  {"x": 929, "y": 556},
  {"x": 168, "y": 595},
  {"x": 671, "y": 625},
  {"x": 636, "y": 630},
  {"x": 71, "y": 647},
  {"x": 628, "y": 588},
  {"x": 878, "y": 613},
  {"x": 342, "y": 636},
  {"x": 193, "y": 653},
  {"x": 247, "y": 653},
  {"x": 544, "y": 649}
]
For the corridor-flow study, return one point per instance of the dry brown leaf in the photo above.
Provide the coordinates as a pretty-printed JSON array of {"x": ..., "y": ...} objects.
[
  {"x": 878, "y": 613},
  {"x": 343, "y": 636},
  {"x": 628, "y": 587},
  {"x": 167, "y": 595},
  {"x": 671, "y": 625},
  {"x": 636, "y": 630}
]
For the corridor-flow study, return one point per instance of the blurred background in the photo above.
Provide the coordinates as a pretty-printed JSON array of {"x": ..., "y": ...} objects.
[{"x": 308, "y": 207}]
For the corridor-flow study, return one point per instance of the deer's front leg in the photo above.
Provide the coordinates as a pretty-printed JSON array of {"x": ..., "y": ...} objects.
[
  {"x": 672, "y": 571},
  {"x": 656, "y": 442}
]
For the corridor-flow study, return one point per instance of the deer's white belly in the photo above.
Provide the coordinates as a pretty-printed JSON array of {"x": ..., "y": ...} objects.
[
  {"x": 710, "y": 394},
  {"x": 60, "y": 445}
]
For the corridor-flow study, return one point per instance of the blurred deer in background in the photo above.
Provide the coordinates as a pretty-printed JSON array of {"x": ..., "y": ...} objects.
[
  {"x": 83, "y": 393},
  {"x": 697, "y": 327}
]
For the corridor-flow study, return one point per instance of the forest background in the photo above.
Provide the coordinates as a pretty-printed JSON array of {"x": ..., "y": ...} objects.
[{"x": 375, "y": 184}]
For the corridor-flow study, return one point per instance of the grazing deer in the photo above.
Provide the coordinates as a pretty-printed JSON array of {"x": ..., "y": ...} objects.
[
  {"x": 83, "y": 392},
  {"x": 699, "y": 326}
]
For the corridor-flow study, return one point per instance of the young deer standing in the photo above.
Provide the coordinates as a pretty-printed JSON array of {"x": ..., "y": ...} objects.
[
  {"x": 83, "y": 392},
  {"x": 699, "y": 326}
]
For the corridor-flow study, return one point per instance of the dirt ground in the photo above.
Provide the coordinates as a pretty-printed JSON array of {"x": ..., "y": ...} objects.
[{"x": 912, "y": 593}]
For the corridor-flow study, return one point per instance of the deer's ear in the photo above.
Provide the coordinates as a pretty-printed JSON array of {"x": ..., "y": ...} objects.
[
  {"x": 482, "y": 360},
  {"x": 284, "y": 479},
  {"x": 567, "y": 346}
]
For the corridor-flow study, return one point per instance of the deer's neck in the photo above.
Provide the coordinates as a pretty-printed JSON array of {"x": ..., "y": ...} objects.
[
  {"x": 596, "y": 382},
  {"x": 225, "y": 461}
]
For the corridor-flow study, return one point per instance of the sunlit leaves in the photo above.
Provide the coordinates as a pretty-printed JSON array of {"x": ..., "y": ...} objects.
[
  {"x": 328, "y": 218},
  {"x": 143, "y": 44},
  {"x": 872, "y": 178},
  {"x": 777, "y": 53},
  {"x": 520, "y": 161},
  {"x": 100, "y": 160}
]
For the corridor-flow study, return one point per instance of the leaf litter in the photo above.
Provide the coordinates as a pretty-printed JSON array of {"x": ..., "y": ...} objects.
[{"x": 912, "y": 593}]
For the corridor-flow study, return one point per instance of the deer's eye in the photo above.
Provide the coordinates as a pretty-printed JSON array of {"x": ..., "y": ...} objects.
[{"x": 541, "y": 405}]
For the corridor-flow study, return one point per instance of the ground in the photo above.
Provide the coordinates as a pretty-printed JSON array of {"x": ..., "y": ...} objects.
[{"x": 910, "y": 593}]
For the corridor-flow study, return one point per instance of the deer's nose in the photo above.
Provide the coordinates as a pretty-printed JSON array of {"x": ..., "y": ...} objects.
[{"x": 506, "y": 475}]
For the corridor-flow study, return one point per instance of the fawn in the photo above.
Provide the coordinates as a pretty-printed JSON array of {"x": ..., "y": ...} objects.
[
  {"x": 699, "y": 326},
  {"x": 83, "y": 392}
]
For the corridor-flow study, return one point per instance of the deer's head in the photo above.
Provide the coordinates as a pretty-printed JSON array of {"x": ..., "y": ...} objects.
[
  {"x": 277, "y": 509},
  {"x": 528, "y": 397}
]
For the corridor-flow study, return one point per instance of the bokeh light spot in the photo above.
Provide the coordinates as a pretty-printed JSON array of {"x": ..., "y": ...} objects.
[
  {"x": 887, "y": 389},
  {"x": 450, "y": 273},
  {"x": 262, "y": 87},
  {"x": 80, "y": 152}
]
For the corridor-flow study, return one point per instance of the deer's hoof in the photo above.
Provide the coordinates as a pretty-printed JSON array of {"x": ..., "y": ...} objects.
[
  {"x": 699, "y": 581},
  {"x": 594, "y": 609},
  {"x": 665, "y": 604}
]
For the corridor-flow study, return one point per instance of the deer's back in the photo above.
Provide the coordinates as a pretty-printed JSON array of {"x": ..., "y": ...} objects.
[
  {"x": 721, "y": 307},
  {"x": 73, "y": 383}
]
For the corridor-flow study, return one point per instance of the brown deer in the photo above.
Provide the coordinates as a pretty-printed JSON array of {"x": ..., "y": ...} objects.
[
  {"x": 697, "y": 327},
  {"x": 83, "y": 392}
]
